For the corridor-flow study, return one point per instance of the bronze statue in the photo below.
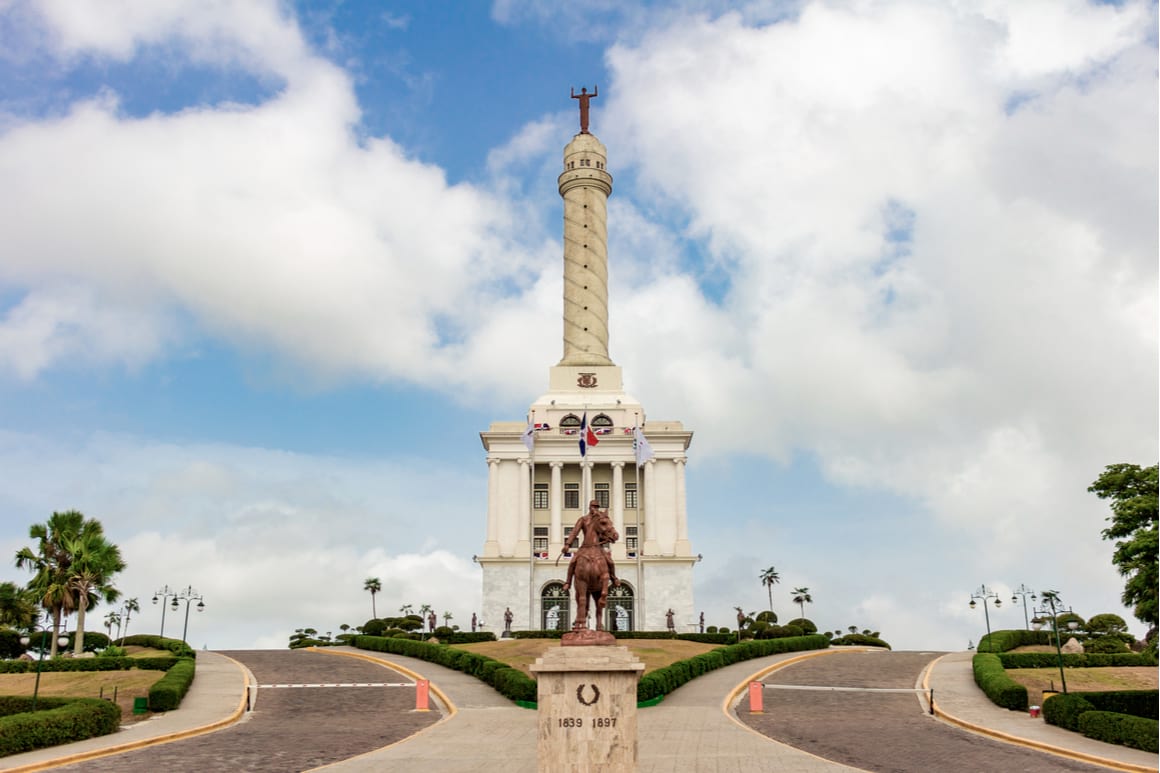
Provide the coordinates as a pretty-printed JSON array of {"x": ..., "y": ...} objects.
[
  {"x": 669, "y": 620},
  {"x": 584, "y": 98},
  {"x": 591, "y": 567}
]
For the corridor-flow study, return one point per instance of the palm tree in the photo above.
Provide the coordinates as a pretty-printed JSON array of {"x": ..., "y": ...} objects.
[
  {"x": 769, "y": 578},
  {"x": 802, "y": 597},
  {"x": 447, "y": 619},
  {"x": 17, "y": 605},
  {"x": 131, "y": 606},
  {"x": 50, "y": 563},
  {"x": 94, "y": 561},
  {"x": 406, "y": 609},
  {"x": 374, "y": 585},
  {"x": 112, "y": 619}
]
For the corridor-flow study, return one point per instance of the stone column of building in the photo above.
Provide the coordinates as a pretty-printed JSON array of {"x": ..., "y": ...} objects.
[
  {"x": 492, "y": 546},
  {"x": 585, "y": 186},
  {"x": 524, "y": 503},
  {"x": 556, "y": 493},
  {"x": 618, "y": 497},
  {"x": 650, "y": 508},
  {"x": 682, "y": 513},
  {"x": 586, "y": 493}
]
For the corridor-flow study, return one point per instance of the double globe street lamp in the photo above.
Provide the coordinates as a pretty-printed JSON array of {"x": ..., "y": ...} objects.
[
  {"x": 188, "y": 595},
  {"x": 986, "y": 595},
  {"x": 26, "y": 640}
]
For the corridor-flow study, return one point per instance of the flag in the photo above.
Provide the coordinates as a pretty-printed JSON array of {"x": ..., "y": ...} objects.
[
  {"x": 541, "y": 425},
  {"x": 529, "y": 438},
  {"x": 587, "y": 436},
  {"x": 640, "y": 447},
  {"x": 603, "y": 430}
]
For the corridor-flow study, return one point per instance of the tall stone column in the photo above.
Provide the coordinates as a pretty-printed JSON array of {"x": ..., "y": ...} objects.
[
  {"x": 491, "y": 547},
  {"x": 556, "y": 494},
  {"x": 682, "y": 548},
  {"x": 585, "y": 485},
  {"x": 650, "y": 509},
  {"x": 585, "y": 186},
  {"x": 524, "y": 504},
  {"x": 618, "y": 497}
]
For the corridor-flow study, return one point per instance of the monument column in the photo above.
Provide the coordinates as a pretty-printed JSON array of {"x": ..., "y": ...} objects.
[
  {"x": 491, "y": 547},
  {"x": 618, "y": 496},
  {"x": 555, "y": 533}
]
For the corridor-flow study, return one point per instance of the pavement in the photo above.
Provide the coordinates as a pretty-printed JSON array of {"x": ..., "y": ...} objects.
[{"x": 693, "y": 729}]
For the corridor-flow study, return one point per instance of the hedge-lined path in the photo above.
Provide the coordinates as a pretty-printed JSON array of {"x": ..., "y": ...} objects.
[
  {"x": 877, "y": 730},
  {"x": 294, "y": 728}
]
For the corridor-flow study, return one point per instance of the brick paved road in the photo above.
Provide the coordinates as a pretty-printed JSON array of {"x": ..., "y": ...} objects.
[
  {"x": 882, "y": 732},
  {"x": 291, "y": 729}
]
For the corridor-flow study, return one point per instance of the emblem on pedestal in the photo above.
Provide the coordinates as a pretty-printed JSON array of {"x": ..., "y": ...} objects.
[{"x": 586, "y": 380}]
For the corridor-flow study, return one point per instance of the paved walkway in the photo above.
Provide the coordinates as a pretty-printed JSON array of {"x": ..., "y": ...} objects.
[{"x": 690, "y": 731}]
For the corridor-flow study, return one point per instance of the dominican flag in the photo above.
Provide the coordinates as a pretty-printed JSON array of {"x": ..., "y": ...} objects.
[
  {"x": 542, "y": 425},
  {"x": 587, "y": 436},
  {"x": 543, "y": 554},
  {"x": 602, "y": 430}
]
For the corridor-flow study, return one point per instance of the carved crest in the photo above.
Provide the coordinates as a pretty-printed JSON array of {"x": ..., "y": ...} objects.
[{"x": 586, "y": 380}]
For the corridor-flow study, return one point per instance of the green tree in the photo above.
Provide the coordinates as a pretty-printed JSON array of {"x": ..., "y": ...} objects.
[
  {"x": 1134, "y": 494},
  {"x": 374, "y": 585},
  {"x": 801, "y": 597},
  {"x": 49, "y": 563},
  {"x": 17, "y": 606},
  {"x": 93, "y": 562},
  {"x": 769, "y": 578},
  {"x": 406, "y": 609},
  {"x": 131, "y": 606}
]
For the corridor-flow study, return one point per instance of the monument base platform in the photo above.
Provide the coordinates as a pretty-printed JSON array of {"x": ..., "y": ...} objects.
[
  {"x": 587, "y": 709},
  {"x": 586, "y": 637}
]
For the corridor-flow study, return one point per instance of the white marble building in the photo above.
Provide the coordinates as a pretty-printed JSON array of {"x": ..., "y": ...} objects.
[{"x": 534, "y": 497}]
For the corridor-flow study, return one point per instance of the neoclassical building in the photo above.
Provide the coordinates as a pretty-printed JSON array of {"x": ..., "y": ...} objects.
[{"x": 539, "y": 483}]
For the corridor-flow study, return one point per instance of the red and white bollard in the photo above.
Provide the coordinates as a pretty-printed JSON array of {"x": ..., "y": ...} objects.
[
  {"x": 422, "y": 686},
  {"x": 755, "y": 698}
]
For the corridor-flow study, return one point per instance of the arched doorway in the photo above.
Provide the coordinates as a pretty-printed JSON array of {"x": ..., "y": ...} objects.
[
  {"x": 555, "y": 608},
  {"x": 620, "y": 613}
]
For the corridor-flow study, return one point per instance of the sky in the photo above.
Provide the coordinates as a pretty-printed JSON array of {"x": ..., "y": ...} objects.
[{"x": 267, "y": 270}]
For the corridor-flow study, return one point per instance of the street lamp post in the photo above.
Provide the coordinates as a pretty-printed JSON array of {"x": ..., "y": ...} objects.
[
  {"x": 188, "y": 595},
  {"x": 26, "y": 640},
  {"x": 985, "y": 595},
  {"x": 164, "y": 594},
  {"x": 1023, "y": 591}
]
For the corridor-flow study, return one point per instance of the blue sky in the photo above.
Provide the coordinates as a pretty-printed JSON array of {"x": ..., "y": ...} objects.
[{"x": 269, "y": 269}]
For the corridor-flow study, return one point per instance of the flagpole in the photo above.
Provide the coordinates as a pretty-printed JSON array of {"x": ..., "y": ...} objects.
[{"x": 531, "y": 483}]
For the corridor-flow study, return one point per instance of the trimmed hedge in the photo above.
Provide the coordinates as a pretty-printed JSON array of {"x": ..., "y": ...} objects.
[
  {"x": 665, "y": 680},
  {"x": 86, "y": 664},
  {"x": 1003, "y": 641},
  {"x": 167, "y": 692},
  {"x": 858, "y": 640},
  {"x": 992, "y": 679},
  {"x": 56, "y": 721},
  {"x": 509, "y": 682},
  {"x": 1074, "y": 660},
  {"x": 466, "y": 637},
  {"x": 1063, "y": 709},
  {"x": 709, "y": 638},
  {"x": 1122, "y": 729},
  {"x": 176, "y": 646}
]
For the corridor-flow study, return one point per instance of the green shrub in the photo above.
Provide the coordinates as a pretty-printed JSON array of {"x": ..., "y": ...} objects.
[
  {"x": 375, "y": 627},
  {"x": 711, "y": 629},
  {"x": 1122, "y": 729},
  {"x": 10, "y": 646},
  {"x": 537, "y": 634},
  {"x": 1063, "y": 710},
  {"x": 858, "y": 640},
  {"x": 708, "y": 638},
  {"x": 1105, "y": 644},
  {"x": 56, "y": 721},
  {"x": 1003, "y": 641},
  {"x": 805, "y": 624},
  {"x": 1074, "y": 660},
  {"x": 167, "y": 692},
  {"x": 176, "y": 646},
  {"x": 112, "y": 651},
  {"x": 992, "y": 679},
  {"x": 509, "y": 682},
  {"x": 1138, "y": 703},
  {"x": 664, "y": 680}
]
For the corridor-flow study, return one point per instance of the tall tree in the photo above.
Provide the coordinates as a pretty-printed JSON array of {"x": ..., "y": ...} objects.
[
  {"x": 131, "y": 606},
  {"x": 769, "y": 578},
  {"x": 17, "y": 606},
  {"x": 1134, "y": 494},
  {"x": 374, "y": 585},
  {"x": 49, "y": 563},
  {"x": 93, "y": 563},
  {"x": 801, "y": 597}
]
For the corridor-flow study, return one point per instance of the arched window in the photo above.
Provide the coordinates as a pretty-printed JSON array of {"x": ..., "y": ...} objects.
[
  {"x": 555, "y": 608},
  {"x": 601, "y": 420},
  {"x": 620, "y": 614},
  {"x": 570, "y": 424}
]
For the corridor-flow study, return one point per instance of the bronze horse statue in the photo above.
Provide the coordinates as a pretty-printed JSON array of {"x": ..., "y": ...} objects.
[{"x": 591, "y": 567}]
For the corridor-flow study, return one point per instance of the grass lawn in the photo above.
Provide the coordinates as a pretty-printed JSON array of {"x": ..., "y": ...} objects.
[
  {"x": 89, "y": 684},
  {"x": 1036, "y": 680},
  {"x": 654, "y": 653}
]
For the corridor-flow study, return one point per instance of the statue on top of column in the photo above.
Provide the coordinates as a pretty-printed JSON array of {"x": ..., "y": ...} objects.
[{"x": 584, "y": 98}]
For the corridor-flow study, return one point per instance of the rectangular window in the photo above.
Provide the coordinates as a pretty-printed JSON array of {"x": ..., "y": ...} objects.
[
  {"x": 540, "y": 496},
  {"x": 601, "y": 493},
  {"x": 540, "y": 539},
  {"x": 630, "y": 496},
  {"x": 572, "y": 496},
  {"x": 630, "y": 538}
]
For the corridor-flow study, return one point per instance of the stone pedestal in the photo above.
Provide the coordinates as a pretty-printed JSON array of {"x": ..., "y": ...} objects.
[{"x": 587, "y": 709}]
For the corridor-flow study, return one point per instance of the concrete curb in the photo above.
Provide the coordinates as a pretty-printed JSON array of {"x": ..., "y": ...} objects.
[
  {"x": 1027, "y": 742},
  {"x": 142, "y": 743}
]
